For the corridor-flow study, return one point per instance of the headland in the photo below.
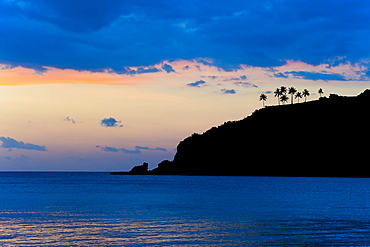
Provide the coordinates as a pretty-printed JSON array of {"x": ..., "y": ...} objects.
[{"x": 328, "y": 137}]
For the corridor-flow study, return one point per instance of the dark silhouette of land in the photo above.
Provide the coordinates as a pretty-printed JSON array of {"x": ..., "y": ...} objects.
[{"x": 328, "y": 137}]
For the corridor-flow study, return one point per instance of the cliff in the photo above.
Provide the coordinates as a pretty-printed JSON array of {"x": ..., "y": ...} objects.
[{"x": 326, "y": 137}]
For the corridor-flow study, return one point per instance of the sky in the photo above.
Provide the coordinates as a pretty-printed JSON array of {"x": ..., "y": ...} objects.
[{"x": 95, "y": 85}]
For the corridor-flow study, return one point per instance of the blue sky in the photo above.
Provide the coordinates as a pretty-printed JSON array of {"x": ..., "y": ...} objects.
[{"x": 105, "y": 85}]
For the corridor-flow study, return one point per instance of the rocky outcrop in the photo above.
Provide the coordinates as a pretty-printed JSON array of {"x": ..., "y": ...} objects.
[{"x": 136, "y": 170}]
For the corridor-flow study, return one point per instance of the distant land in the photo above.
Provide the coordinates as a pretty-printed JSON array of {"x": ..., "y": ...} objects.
[{"x": 328, "y": 137}]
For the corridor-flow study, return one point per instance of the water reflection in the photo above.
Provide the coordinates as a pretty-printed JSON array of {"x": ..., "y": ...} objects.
[
  {"x": 68, "y": 229},
  {"x": 74, "y": 229}
]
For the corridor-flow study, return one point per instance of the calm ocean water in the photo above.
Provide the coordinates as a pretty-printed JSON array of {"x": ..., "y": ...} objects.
[{"x": 96, "y": 209}]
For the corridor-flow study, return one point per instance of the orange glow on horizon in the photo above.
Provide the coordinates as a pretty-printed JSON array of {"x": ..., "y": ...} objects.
[{"x": 20, "y": 76}]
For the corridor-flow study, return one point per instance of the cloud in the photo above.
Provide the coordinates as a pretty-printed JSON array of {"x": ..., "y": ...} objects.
[
  {"x": 141, "y": 70},
  {"x": 240, "y": 78},
  {"x": 68, "y": 119},
  {"x": 197, "y": 84},
  {"x": 109, "y": 149},
  {"x": 11, "y": 143},
  {"x": 213, "y": 77},
  {"x": 168, "y": 68},
  {"x": 116, "y": 34},
  {"x": 127, "y": 151},
  {"x": 280, "y": 75},
  {"x": 316, "y": 76},
  {"x": 17, "y": 158},
  {"x": 150, "y": 149},
  {"x": 228, "y": 91},
  {"x": 245, "y": 84},
  {"x": 110, "y": 122},
  {"x": 136, "y": 150}
]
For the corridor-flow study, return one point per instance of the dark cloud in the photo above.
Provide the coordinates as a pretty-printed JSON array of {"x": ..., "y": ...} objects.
[
  {"x": 197, "y": 83},
  {"x": 110, "y": 122},
  {"x": 94, "y": 34},
  {"x": 137, "y": 150},
  {"x": 12, "y": 143}
]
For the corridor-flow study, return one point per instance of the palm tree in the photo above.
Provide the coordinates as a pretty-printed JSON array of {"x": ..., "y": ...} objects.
[
  {"x": 263, "y": 97},
  {"x": 283, "y": 90},
  {"x": 305, "y": 93},
  {"x": 321, "y": 92},
  {"x": 292, "y": 91},
  {"x": 284, "y": 98},
  {"x": 277, "y": 94},
  {"x": 298, "y": 96}
]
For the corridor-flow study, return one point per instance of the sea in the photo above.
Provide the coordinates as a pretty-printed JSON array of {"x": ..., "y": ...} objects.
[{"x": 98, "y": 209}]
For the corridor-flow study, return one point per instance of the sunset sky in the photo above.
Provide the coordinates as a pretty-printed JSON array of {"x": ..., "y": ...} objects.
[{"x": 94, "y": 85}]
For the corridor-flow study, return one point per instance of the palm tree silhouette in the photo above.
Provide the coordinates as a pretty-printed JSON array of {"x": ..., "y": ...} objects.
[
  {"x": 298, "y": 96},
  {"x": 305, "y": 93},
  {"x": 263, "y": 97},
  {"x": 278, "y": 94},
  {"x": 283, "y": 90},
  {"x": 284, "y": 98},
  {"x": 321, "y": 92},
  {"x": 292, "y": 91}
]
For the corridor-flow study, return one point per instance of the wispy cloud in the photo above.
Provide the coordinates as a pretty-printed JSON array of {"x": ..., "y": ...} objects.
[
  {"x": 136, "y": 150},
  {"x": 142, "y": 70},
  {"x": 245, "y": 84},
  {"x": 150, "y": 149},
  {"x": 240, "y": 78},
  {"x": 12, "y": 143},
  {"x": 17, "y": 158},
  {"x": 68, "y": 119},
  {"x": 316, "y": 76},
  {"x": 280, "y": 75}
]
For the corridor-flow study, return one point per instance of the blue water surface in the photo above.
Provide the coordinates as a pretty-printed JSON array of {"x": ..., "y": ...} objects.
[{"x": 98, "y": 209}]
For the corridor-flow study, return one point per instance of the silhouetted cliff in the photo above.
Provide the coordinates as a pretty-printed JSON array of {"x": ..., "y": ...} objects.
[{"x": 326, "y": 137}]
